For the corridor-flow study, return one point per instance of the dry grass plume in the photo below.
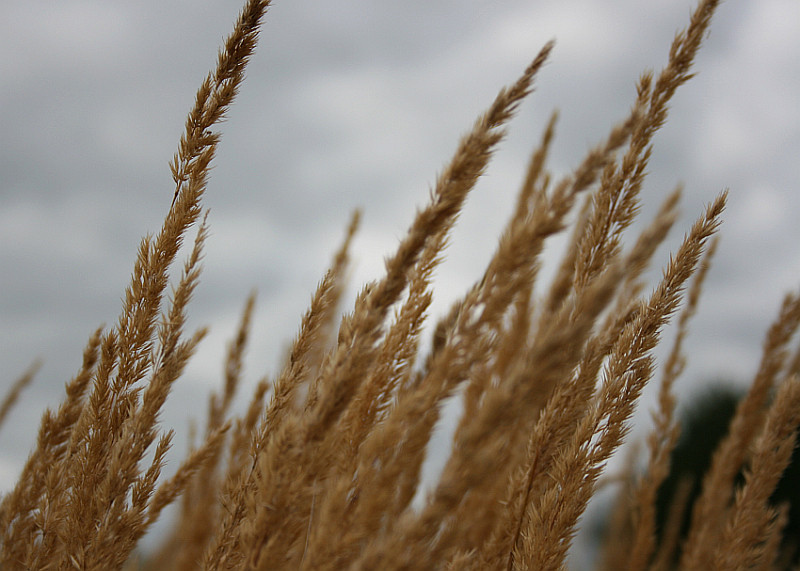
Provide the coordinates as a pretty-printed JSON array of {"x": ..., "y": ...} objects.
[{"x": 321, "y": 470}]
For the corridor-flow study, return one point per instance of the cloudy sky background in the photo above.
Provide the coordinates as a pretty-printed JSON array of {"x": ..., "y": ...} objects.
[{"x": 360, "y": 104}]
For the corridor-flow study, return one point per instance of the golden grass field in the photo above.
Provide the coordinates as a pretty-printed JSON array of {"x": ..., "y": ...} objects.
[{"x": 321, "y": 469}]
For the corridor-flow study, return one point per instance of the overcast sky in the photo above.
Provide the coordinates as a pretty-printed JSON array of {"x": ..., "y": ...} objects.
[{"x": 359, "y": 104}]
